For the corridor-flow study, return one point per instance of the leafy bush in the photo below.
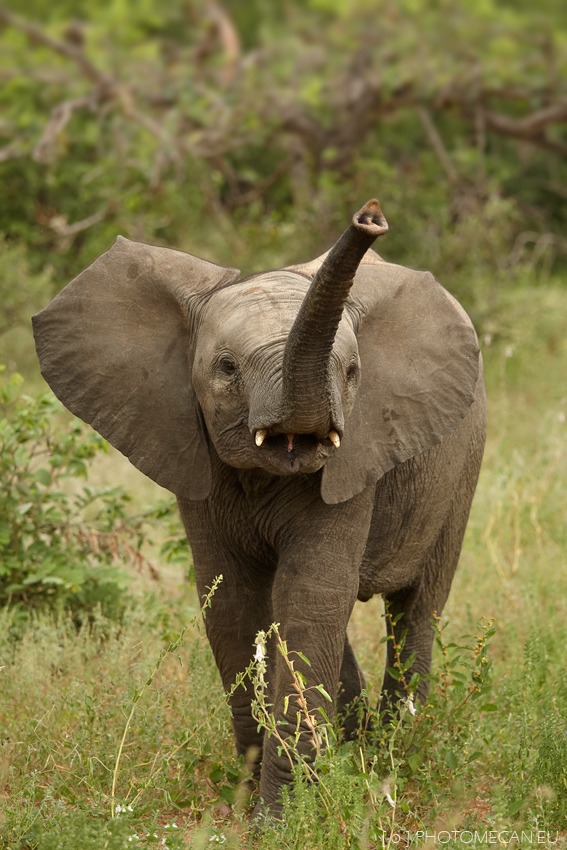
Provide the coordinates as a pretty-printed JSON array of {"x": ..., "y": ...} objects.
[{"x": 60, "y": 543}]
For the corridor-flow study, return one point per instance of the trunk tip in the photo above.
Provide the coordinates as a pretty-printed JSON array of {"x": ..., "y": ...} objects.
[{"x": 370, "y": 219}]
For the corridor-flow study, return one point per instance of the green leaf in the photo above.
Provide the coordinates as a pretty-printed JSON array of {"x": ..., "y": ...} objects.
[
  {"x": 227, "y": 793},
  {"x": 451, "y": 760},
  {"x": 394, "y": 673},
  {"x": 43, "y": 476},
  {"x": 515, "y": 807},
  {"x": 458, "y": 677},
  {"x": 323, "y": 693},
  {"x": 216, "y": 774},
  {"x": 414, "y": 762},
  {"x": 5, "y": 533}
]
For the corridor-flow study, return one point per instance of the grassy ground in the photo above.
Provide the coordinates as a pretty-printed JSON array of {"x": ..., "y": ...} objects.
[{"x": 118, "y": 735}]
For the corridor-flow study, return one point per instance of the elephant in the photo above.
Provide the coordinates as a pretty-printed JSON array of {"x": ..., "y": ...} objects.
[{"x": 322, "y": 427}]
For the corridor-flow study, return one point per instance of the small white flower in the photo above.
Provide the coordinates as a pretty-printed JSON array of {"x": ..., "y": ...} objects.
[
  {"x": 119, "y": 809},
  {"x": 487, "y": 339},
  {"x": 386, "y": 788},
  {"x": 509, "y": 352},
  {"x": 410, "y": 706},
  {"x": 260, "y": 642}
]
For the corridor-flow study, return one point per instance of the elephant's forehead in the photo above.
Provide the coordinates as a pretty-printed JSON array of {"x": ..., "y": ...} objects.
[{"x": 271, "y": 300}]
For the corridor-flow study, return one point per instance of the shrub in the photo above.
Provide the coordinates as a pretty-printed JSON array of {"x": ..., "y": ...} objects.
[{"x": 61, "y": 540}]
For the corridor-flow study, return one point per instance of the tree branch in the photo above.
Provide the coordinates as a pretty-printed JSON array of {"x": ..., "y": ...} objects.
[
  {"x": 58, "y": 120},
  {"x": 531, "y": 128},
  {"x": 436, "y": 143},
  {"x": 107, "y": 88},
  {"x": 228, "y": 37},
  {"x": 65, "y": 232},
  {"x": 37, "y": 35}
]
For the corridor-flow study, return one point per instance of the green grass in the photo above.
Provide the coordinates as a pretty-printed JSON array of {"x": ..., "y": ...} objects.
[{"x": 485, "y": 762}]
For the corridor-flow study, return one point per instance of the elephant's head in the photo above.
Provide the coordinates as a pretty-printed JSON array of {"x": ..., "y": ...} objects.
[
  {"x": 347, "y": 363},
  {"x": 276, "y": 362}
]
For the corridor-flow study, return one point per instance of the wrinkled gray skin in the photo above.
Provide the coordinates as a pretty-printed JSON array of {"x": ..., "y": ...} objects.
[{"x": 235, "y": 394}]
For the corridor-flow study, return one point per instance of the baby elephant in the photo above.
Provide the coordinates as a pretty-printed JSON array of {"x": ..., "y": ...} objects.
[{"x": 322, "y": 427}]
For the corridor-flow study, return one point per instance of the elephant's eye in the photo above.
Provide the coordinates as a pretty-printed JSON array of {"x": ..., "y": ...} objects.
[
  {"x": 227, "y": 365},
  {"x": 352, "y": 371}
]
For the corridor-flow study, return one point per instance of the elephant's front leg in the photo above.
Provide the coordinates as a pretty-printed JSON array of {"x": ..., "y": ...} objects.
[
  {"x": 237, "y": 613},
  {"x": 314, "y": 591},
  {"x": 239, "y": 609},
  {"x": 312, "y": 613}
]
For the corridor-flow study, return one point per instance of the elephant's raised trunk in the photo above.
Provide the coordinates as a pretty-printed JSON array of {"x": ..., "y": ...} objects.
[{"x": 308, "y": 402}]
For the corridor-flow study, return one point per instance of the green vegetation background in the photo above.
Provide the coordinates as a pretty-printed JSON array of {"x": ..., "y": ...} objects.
[{"x": 247, "y": 133}]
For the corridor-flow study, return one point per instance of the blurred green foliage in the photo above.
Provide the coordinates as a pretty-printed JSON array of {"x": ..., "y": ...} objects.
[{"x": 248, "y": 133}]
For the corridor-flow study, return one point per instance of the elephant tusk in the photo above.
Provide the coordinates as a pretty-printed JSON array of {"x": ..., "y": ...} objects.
[
  {"x": 261, "y": 435},
  {"x": 335, "y": 439}
]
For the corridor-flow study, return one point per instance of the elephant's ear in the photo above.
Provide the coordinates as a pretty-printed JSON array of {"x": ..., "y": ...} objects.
[
  {"x": 419, "y": 367},
  {"x": 371, "y": 258},
  {"x": 116, "y": 347}
]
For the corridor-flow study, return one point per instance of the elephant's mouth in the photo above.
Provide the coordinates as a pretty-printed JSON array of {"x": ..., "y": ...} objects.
[{"x": 290, "y": 453}]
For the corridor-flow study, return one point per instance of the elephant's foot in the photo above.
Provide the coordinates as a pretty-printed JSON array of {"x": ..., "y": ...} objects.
[{"x": 263, "y": 813}]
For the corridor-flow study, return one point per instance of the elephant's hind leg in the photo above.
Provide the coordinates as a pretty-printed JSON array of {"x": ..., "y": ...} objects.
[{"x": 410, "y": 612}]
